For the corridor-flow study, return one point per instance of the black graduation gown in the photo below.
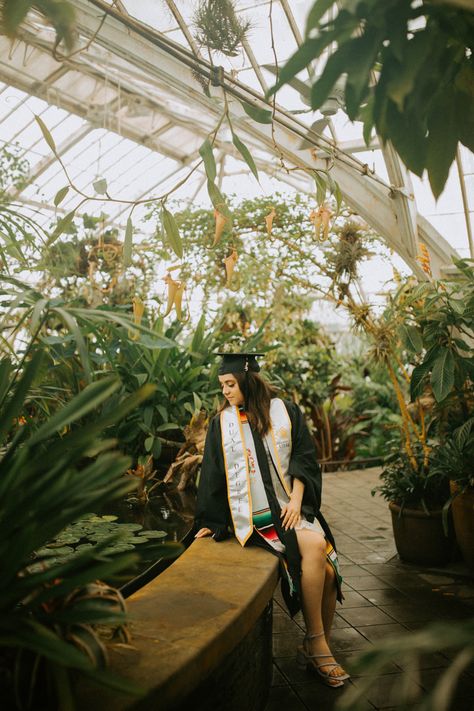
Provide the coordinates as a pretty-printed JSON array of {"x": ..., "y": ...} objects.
[{"x": 213, "y": 509}]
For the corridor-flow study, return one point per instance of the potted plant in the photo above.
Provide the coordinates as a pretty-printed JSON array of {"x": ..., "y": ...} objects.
[
  {"x": 455, "y": 460},
  {"x": 416, "y": 497}
]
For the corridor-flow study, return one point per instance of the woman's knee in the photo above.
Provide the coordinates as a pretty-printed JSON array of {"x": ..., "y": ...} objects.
[{"x": 312, "y": 545}]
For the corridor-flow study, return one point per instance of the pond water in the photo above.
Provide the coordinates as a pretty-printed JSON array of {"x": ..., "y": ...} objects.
[
  {"x": 152, "y": 530},
  {"x": 169, "y": 510}
]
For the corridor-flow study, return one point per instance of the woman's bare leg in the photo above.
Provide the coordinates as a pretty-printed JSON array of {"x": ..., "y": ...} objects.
[
  {"x": 318, "y": 592},
  {"x": 328, "y": 607}
]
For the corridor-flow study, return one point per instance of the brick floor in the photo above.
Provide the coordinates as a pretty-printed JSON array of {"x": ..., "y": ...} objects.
[{"x": 383, "y": 597}]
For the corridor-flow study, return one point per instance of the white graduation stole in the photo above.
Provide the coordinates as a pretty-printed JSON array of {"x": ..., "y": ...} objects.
[{"x": 235, "y": 450}]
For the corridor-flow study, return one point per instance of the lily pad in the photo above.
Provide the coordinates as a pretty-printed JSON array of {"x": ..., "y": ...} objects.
[
  {"x": 44, "y": 552},
  {"x": 63, "y": 550},
  {"x": 110, "y": 518},
  {"x": 153, "y": 534},
  {"x": 131, "y": 526},
  {"x": 66, "y": 540}
]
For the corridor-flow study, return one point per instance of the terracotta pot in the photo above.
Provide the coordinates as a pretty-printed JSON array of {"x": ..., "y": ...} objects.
[
  {"x": 463, "y": 517},
  {"x": 419, "y": 537}
]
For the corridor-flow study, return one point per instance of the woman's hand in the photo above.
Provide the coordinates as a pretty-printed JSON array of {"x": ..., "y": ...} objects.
[
  {"x": 291, "y": 513},
  {"x": 203, "y": 532}
]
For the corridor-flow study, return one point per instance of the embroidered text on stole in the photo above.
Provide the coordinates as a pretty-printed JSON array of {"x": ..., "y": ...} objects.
[{"x": 236, "y": 464}]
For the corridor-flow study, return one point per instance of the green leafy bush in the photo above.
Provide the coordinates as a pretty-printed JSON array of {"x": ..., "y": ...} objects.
[
  {"x": 51, "y": 473},
  {"x": 426, "y": 488}
]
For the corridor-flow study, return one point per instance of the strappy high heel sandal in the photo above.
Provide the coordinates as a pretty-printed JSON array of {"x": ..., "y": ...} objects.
[{"x": 305, "y": 660}]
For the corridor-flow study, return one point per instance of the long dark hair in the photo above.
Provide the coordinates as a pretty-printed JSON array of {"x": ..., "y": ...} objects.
[{"x": 257, "y": 393}]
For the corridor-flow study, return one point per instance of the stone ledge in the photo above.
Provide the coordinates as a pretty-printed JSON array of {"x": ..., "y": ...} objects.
[{"x": 187, "y": 620}]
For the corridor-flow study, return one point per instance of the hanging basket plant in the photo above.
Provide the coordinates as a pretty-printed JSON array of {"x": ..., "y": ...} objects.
[{"x": 218, "y": 27}]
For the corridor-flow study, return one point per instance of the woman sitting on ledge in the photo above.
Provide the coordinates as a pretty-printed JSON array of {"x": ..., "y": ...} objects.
[{"x": 260, "y": 479}]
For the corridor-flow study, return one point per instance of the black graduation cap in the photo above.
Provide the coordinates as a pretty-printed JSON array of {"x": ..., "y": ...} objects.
[{"x": 239, "y": 363}]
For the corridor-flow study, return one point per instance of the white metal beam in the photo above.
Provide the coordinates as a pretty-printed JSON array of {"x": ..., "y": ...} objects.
[{"x": 94, "y": 115}]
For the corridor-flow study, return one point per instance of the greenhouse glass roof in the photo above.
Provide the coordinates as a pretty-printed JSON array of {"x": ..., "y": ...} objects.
[{"x": 128, "y": 105}]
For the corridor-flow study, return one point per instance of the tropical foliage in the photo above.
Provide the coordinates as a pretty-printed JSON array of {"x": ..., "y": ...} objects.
[
  {"x": 435, "y": 327},
  {"x": 406, "y": 69},
  {"x": 60, "y": 12},
  {"x": 51, "y": 474}
]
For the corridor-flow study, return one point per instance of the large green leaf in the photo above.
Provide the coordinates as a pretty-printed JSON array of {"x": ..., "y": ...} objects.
[
  {"x": 442, "y": 140},
  {"x": 60, "y": 195},
  {"x": 46, "y": 133},
  {"x": 405, "y": 131},
  {"x": 465, "y": 116},
  {"x": 207, "y": 155},
  {"x": 321, "y": 187},
  {"x": 442, "y": 376},
  {"x": 76, "y": 331},
  {"x": 418, "y": 379},
  {"x": 320, "y": 7},
  {"x": 305, "y": 54},
  {"x": 257, "y": 114},
  {"x": 14, "y": 406},
  {"x": 336, "y": 65},
  {"x": 404, "y": 78},
  {"x": 86, "y": 401},
  {"x": 245, "y": 153},
  {"x": 60, "y": 13},
  {"x": 362, "y": 53},
  {"x": 412, "y": 338},
  {"x": 198, "y": 334},
  {"x": 77, "y": 438},
  {"x": 127, "y": 244},
  {"x": 108, "y": 316},
  {"x": 172, "y": 233},
  {"x": 217, "y": 199}
]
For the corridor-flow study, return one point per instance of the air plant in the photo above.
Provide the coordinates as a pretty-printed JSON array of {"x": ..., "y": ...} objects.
[
  {"x": 218, "y": 26},
  {"x": 347, "y": 253}
]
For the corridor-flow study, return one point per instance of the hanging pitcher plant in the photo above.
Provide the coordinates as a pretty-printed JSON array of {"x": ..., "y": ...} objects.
[
  {"x": 229, "y": 263},
  {"x": 321, "y": 222},
  {"x": 269, "y": 220}
]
